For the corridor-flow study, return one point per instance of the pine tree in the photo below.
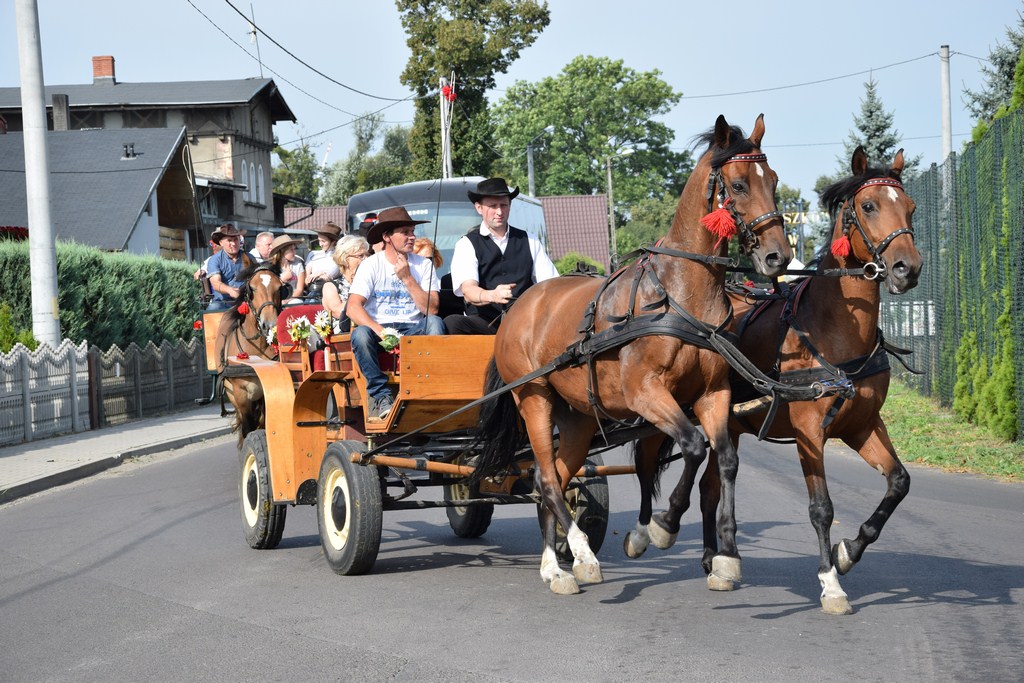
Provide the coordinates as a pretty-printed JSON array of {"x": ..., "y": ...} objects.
[
  {"x": 875, "y": 133},
  {"x": 998, "y": 87}
]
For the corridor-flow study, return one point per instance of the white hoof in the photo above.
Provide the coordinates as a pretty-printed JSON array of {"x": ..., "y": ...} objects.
[
  {"x": 718, "y": 583},
  {"x": 727, "y": 567},
  {"x": 836, "y": 604},
  {"x": 636, "y": 542},
  {"x": 564, "y": 584},
  {"x": 843, "y": 561},
  {"x": 659, "y": 537},
  {"x": 589, "y": 572}
]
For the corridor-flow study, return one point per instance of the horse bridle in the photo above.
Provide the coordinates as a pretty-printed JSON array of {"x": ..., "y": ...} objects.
[
  {"x": 262, "y": 327},
  {"x": 748, "y": 239},
  {"x": 876, "y": 268}
]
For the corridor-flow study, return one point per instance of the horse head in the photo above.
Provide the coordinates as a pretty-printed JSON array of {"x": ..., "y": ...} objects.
[
  {"x": 260, "y": 301},
  {"x": 873, "y": 223},
  {"x": 740, "y": 196}
]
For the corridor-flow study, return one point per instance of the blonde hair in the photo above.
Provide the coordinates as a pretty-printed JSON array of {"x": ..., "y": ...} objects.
[
  {"x": 425, "y": 243},
  {"x": 347, "y": 245}
]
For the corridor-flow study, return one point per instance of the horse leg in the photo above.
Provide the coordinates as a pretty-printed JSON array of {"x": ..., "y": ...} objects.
[
  {"x": 648, "y": 454},
  {"x": 710, "y": 495},
  {"x": 712, "y": 409},
  {"x": 877, "y": 450},
  {"x": 811, "y": 451},
  {"x": 536, "y": 408}
]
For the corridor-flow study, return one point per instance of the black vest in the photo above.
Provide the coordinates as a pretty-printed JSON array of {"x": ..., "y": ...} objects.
[{"x": 515, "y": 266}]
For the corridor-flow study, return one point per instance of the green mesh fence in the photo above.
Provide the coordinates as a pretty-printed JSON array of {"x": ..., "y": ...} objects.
[{"x": 965, "y": 319}]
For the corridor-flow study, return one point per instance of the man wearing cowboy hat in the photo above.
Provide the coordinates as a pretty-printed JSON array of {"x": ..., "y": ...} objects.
[
  {"x": 393, "y": 288},
  {"x": 495, "y": 263},
  {"x": 226, "y": 265}
]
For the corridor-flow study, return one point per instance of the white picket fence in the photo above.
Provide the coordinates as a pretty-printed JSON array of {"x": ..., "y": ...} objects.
[{"x": 74, "y": 388}]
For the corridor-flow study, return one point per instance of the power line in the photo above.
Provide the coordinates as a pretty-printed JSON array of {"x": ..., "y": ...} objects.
[
  {"x": 817, "y": 82},
  {"x": 309, "y": 66}
]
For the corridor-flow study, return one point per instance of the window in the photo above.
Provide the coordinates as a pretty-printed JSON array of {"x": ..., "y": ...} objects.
[
  {"x": 261, "y": 196},
  {"x": 245, "y": 178},
  {"x": 253, "y": 191}
]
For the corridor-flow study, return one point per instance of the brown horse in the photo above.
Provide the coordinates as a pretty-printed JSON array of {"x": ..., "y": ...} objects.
[
  {"x": 825, "y": 329},
  {"x": 244, "y": 329},
  {"x": 647, "y": 328}
]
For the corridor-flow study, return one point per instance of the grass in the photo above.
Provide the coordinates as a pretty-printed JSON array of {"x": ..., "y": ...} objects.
[{"x": 925, "y": 433}]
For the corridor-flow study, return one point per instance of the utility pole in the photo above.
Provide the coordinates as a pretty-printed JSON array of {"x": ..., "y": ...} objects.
[
  {"x": 947, "y": 126},
  {"x": 42, "y": 253}
]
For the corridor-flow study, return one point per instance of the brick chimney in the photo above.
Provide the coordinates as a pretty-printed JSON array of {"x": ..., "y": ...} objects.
[{"x": 103, "y": 70}]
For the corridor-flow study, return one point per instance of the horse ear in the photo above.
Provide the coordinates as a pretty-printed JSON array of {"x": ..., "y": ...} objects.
[
  {"x": 859, "y": 162},
  {"x": 721, "y": 132},
  {"x": 897, "y": 165},
  {"x": 758, "y": 133}
]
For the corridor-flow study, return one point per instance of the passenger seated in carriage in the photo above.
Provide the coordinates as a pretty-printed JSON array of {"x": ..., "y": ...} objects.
[
  {"x": 293, "y": 274},
  {"x": 494, "y": 263},
  {"x": 320, "y": 266},
  {"x": 349, "y": 252},
  {"x": 225, "y": 266},
  {"x": 393, "y": 288}
]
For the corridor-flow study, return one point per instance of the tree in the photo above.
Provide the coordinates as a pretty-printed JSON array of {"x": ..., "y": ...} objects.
[
  {"x": 297, "y": 173},
  {"x": 360, "y": 170},
  {"x": 649, "y": 221},
  {"x": 1015, "y": 101},
  {"x": 568, "y": 263},
  {"x": 998, "y": 87},
  {"x": 597, "y": 107},
  {"x": 476, "y": 39}
]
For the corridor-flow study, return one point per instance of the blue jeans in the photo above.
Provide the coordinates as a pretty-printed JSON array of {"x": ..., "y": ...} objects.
[{"x": 366, "y": 346}]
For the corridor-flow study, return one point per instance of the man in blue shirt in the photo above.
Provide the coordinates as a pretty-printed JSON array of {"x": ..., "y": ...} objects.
[{"x": 225, "y": 266}]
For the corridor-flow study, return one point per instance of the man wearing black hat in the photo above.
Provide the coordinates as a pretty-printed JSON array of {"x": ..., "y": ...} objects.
[
  {"x": 495, "y": 263},
  {"x": 225, "y": 266},
  {"x": 394, "y": 288}
]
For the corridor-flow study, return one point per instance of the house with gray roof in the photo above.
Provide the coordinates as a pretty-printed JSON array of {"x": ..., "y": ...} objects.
[
  {"x": 116, "y": 190},
  {"x": 229, "y": 136}
]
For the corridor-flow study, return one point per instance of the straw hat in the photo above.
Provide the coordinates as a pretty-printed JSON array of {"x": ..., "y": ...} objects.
[{"x": 280, "y": 243}]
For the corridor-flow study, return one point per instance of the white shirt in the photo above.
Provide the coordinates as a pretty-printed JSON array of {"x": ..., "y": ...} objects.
[
  {"x": 320, "y": 262},
  {"x": 256, "y": 255},
  {"x": 466, "y": 267},
  {"x": 387, "y": 299}
]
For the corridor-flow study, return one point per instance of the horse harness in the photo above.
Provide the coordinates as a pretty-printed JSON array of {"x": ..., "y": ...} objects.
[
  {"x": 876, "y": 268},
  {"x": 262, "y": 329}
]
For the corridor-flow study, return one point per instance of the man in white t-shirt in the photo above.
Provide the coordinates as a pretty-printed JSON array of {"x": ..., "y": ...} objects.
[{"x": 393, "y": 288}]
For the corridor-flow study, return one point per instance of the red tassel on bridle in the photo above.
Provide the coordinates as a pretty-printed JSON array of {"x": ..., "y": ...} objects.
[
  {"x": 720, "y": 221},
  {"x": 243, "y": 308},
  {"x": 841, "y": 247}
]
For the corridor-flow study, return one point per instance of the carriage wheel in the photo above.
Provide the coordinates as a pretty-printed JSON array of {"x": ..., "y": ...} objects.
[
  {"x": 469, "y": 521},
  {"x": 588, "y": 503},
  {"x": 262, "y": 518},
  {"x": 349, "y": 510}
]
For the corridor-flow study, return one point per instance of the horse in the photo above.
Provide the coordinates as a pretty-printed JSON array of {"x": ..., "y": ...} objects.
[
  {"x": 647, "y": 328},
  {"x": 244, "y": 329},
  {"x": 824, "y": 329}
]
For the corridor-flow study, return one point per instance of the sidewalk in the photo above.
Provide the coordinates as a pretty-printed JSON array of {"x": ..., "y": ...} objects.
[{"x": 38, "y": 465}]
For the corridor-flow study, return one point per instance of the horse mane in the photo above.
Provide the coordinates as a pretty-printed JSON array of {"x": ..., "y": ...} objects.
[
  {"x": 740, "y": 144},
  {"x": 243, "y": 291},
  {"x": 833, "y": 196}
]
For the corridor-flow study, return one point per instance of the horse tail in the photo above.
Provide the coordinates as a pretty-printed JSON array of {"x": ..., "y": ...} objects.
[
  {"x": 663, "y": 463},
  {"x": 499, "y": 432}
]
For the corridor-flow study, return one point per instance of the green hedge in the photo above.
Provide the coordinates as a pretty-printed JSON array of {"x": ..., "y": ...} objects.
[{"x": 106, "y": 298}]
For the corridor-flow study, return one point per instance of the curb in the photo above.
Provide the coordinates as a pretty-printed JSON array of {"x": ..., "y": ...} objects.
[{"x": 96, "y": 466}]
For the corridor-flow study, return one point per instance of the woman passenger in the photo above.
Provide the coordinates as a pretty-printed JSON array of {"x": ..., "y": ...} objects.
[
  {"x": 425, "y": 247},
  {"x": 320, "y": 266},
  {"x": 293, "y": 273},
  {"x": 348, "y": 254}
]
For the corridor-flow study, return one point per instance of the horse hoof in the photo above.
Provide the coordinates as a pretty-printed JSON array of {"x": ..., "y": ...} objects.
[
  {"x": 633, "y": 550},
  {"x": 727, "y": 568},
  {"x": 564, "y": 584},
  {"x": 836, "y": 605},
  {"x": 841, "y": 557},
  {"x": 720, "y": 583},
  {"x": 588, "y": 573},
  {"x": 660, "y": 536}
]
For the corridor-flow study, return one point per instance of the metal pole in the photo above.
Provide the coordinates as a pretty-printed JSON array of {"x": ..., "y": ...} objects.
[
  {"x": 42, "y": 253},
  {"x": 611, "y": 218},
  {"x": 800, "y": 229},
  {"x": 947, "y": 127},
  {"x": 529, "y": 168}
]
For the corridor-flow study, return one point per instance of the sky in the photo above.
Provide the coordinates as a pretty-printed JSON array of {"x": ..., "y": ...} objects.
[{"x": 803, "y": 64}]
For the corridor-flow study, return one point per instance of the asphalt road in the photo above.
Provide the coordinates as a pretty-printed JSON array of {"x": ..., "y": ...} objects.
[{"x": 142, "y": 573}]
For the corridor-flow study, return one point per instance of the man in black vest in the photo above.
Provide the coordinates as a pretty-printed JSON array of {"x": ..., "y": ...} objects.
[{"x": 495, "y": 263}]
